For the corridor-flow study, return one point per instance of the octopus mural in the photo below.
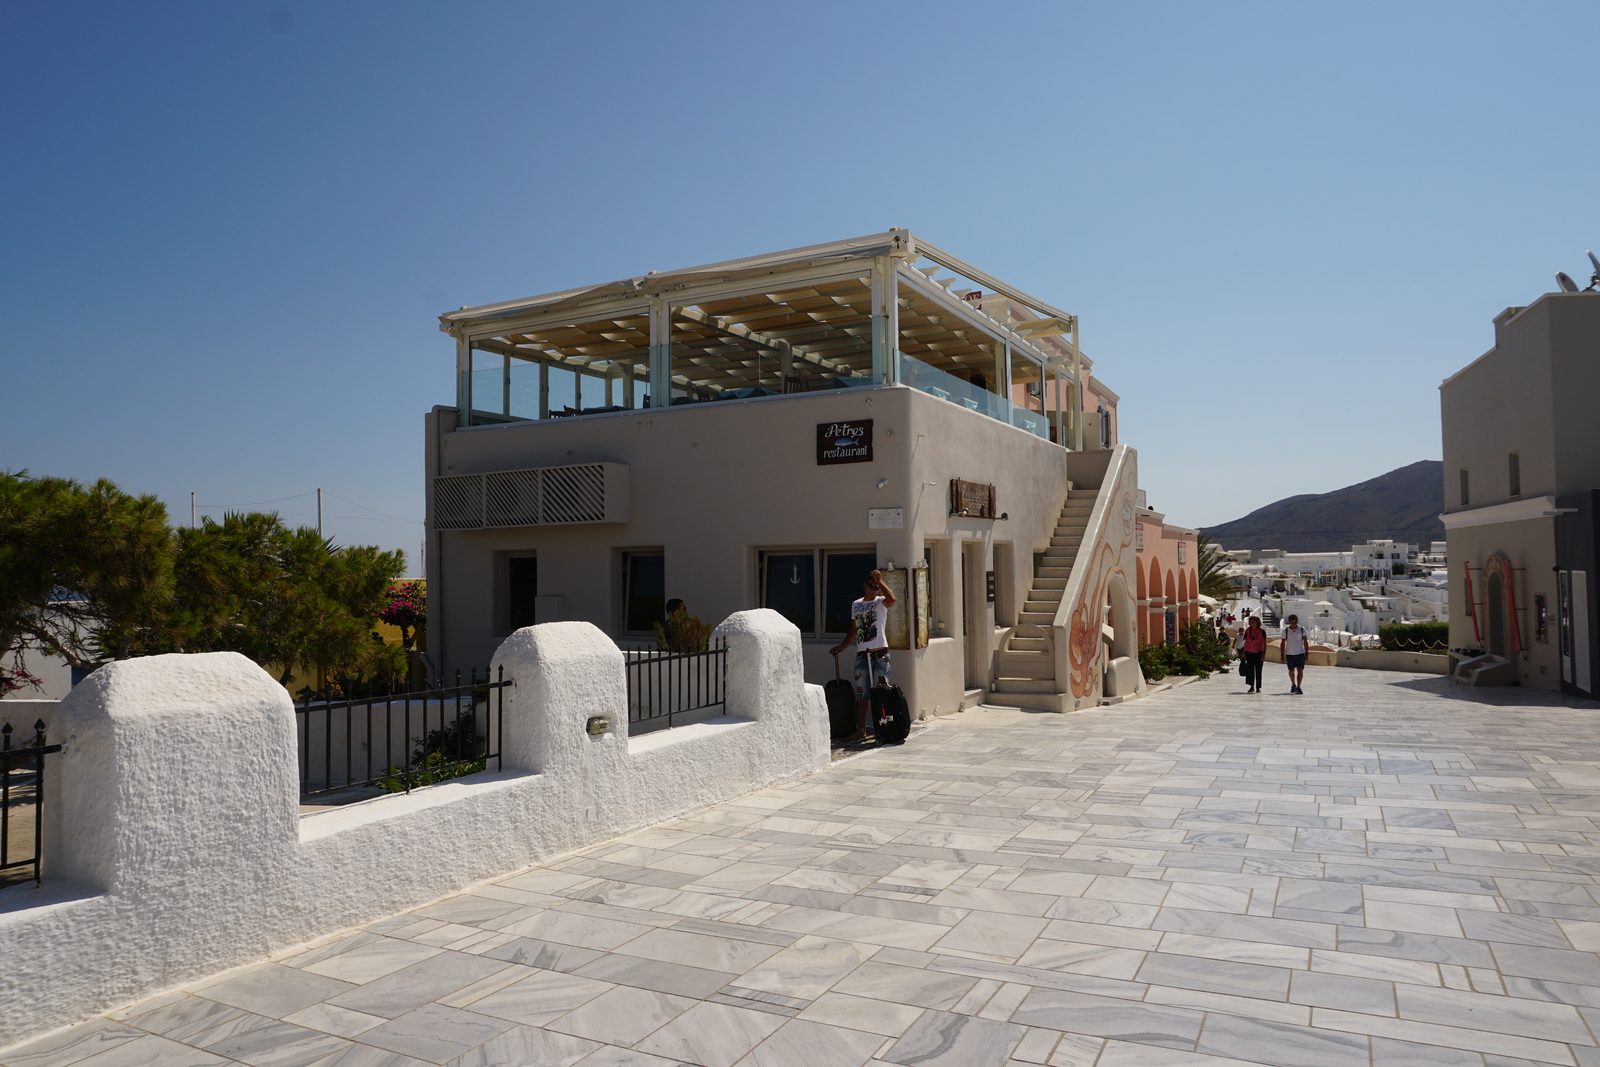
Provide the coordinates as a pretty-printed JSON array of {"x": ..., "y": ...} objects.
[{"x": 1111, "y": 541}]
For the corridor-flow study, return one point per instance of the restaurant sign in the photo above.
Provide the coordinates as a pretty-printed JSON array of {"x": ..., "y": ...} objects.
[{"x": 844, "y": 442}]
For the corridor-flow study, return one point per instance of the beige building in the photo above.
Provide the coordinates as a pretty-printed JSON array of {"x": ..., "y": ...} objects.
[
  {"x": 762, "y": 432},
  {"x": 1521, "y": 462}
]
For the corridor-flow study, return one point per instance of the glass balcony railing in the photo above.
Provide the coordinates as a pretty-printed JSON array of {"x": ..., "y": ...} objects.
[{"x": 947, "y": 386}]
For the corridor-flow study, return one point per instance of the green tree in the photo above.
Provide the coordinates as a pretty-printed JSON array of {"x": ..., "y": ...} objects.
[
  {"x": 1211, "y": 570},
  {"x": 78, "y": 564},
  {"x": 284, "y": 597}
]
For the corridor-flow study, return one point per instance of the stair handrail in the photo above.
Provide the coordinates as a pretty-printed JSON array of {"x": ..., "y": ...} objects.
[{"x": 1099, "y": 516}]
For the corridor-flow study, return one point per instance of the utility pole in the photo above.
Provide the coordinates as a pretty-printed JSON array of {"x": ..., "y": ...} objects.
[
  {"x": 319, "y": 512},
  {"x": 191, "y": 511}
]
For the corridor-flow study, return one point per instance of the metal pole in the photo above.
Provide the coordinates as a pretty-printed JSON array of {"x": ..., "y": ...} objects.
[
  {"x": 38, "y": 803},
  {"x": 191, "y": 511},
  {"x": 319, "y": 512},
  {"x": 5, "y": 794}
]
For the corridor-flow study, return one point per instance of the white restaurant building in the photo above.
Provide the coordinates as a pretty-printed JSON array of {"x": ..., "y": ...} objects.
[{"x": 760, "y": 433}]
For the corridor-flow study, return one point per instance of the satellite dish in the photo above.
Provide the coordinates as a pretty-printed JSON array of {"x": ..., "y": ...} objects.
[
  {"x": 1564, "y": 280},
  {"x": 1594, "y": 282}
]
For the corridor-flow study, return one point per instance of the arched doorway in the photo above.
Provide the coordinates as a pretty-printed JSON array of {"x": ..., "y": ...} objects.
[
  {"x": 1142, "y": 596},
  {"x": 1497, "y": 608}
]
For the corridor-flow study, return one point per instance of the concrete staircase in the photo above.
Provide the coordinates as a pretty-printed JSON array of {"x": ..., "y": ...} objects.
[{"x": 1025, "y": 660}]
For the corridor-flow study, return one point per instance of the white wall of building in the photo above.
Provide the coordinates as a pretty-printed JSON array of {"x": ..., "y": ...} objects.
[
  {"x": 174, "y": 847},
  {"x": 712, "y": 485}
]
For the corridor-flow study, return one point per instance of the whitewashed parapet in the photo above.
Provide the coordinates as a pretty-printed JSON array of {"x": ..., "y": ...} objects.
[{"x": 174, "y": 848}]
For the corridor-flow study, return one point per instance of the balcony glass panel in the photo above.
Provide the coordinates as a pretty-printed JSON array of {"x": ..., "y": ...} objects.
[
  {"x": 948, "y": 387},
  {"x": 524, "y": 389}
]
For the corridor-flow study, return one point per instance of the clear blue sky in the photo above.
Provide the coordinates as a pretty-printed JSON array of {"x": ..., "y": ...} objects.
[{"x": 229, "y": 227}]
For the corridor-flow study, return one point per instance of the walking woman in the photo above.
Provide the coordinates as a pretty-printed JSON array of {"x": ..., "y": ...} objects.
[{"x": 1252, "y": 653}]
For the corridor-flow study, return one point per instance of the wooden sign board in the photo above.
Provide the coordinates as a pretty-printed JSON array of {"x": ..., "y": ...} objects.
[
  {"x": 845, "y": 441},
  {"x": 919, "y": 588},
  {"x": 975, "y": 500},
  {"x": 897, "y": 628}
]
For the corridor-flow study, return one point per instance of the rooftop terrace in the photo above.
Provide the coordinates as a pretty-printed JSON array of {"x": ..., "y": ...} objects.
[{"x": 883, "y": 309}]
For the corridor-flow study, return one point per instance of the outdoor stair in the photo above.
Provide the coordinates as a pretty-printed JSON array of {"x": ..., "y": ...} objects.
[
  {"x": 1055, "y": 567},
  {"x": 1025, "y": 659}
]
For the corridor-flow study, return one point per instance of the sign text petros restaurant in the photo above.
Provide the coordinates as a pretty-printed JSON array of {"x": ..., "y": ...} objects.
[{"x": 844, "y": 442}]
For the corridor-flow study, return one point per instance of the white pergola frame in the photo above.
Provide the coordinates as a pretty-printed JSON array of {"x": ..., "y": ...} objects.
[{"x": 886, "y": 259}]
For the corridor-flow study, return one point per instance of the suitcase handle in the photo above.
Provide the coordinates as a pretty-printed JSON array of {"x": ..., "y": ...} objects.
[{"x": 836, "y": 668}]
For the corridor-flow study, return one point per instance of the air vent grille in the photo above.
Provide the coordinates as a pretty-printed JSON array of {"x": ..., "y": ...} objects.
[{"x": 541, "y": 496}]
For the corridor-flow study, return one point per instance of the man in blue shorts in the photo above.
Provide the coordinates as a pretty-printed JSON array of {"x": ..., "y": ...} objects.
[
  {"x": 869, "y": 624},
  {"x": 1295, "y": 648}
]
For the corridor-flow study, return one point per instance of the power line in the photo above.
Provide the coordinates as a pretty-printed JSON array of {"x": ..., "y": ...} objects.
[{"x": 375, "y": 511}]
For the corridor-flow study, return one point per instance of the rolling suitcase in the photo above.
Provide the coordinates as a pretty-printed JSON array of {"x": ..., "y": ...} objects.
[
  {"x": 841, "y": 697},
  {"x": 891, "y": 718}
]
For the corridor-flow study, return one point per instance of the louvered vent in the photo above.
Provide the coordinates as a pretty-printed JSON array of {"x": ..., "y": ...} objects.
[
  {"x": 458, "y": 502},
  {"x": 542, "y": 496}
]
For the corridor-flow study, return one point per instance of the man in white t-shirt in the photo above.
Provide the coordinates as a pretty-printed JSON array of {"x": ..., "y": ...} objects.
[
  {"x": 1295, "y": 647},
  {"x": 869, "y": 623}
]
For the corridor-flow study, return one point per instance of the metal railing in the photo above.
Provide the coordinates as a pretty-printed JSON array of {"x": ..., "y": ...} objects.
[
  {"x": 662, "y": 685},
  {"x": 402, "y": 741},
  {"x": 22, "y": 787}
]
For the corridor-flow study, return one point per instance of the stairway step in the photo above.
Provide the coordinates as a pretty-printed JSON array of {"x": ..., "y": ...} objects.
[
  {"x": 1028, "y": 644},
  {"x": 1025, "y": 685},
  {"x": 1042, "y": 582},
  {"x": 1040, "y": 606},
  {"x": 1038, "y": 618},
  {"x": 1045, "y": 596}
]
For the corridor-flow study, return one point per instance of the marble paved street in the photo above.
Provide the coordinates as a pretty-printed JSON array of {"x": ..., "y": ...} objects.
[{"x": 1386, "y": 872}]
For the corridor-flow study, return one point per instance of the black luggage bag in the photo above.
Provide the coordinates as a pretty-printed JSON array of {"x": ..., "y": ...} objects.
[
  {"x": 841, "y": 697},
  {"x": 891, "y": 717}
]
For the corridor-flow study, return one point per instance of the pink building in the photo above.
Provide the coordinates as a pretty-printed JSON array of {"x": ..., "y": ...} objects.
[{"x": 1167, "y": 591}]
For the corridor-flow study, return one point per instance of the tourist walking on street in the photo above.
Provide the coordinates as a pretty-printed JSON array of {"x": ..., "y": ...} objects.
[
  {"x": 1252, "y": 651},
  {"x": 1295, "y": 648}
]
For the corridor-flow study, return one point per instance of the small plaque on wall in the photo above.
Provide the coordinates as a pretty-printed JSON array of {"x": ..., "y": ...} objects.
[
  {"x": 886, "y": 518},
  {"x": 846, "y": 441}
]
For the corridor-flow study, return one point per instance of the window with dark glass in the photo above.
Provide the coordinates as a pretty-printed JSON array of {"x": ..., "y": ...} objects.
[
  {"x": 789, "y": 587},
  {"x": 1514, "y": 473},
  {"x": 644, "y": 591},
  {"x": 846, "y": 572},
  {"x": 522, "y": 586},
  {"x": 814, "y": 588},
  {"x": 1465, "y": 497}
]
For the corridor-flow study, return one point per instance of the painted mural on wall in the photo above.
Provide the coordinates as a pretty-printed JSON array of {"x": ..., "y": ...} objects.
[{"x": 1115, "y": 538}]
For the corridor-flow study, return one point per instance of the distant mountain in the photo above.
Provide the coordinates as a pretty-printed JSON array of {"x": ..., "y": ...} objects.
[{"x": 1403, "y": 504}]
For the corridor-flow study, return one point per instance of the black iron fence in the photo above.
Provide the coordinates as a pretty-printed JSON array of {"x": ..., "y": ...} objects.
[
  {"x": 666, "y": 685},
  {"x": 22, "y": 804},
  {"x": 398, "y": 742}
]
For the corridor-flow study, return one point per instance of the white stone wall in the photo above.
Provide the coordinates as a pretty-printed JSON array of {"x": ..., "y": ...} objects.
[{"x": 174, "y": 847}]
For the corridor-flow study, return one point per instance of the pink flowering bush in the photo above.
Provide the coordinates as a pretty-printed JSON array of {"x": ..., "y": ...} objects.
[
  {"x": 407, "y": 609},
  {"x": 16, "y": 678}
]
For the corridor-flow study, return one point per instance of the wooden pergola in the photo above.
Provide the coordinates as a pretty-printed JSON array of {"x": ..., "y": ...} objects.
[{"x": 866, "y": 311}]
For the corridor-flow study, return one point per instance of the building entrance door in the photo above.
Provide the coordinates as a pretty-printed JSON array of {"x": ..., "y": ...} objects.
[
  {"x": 1494, "y": 592},
  {"x": 976, "y": 616}
]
